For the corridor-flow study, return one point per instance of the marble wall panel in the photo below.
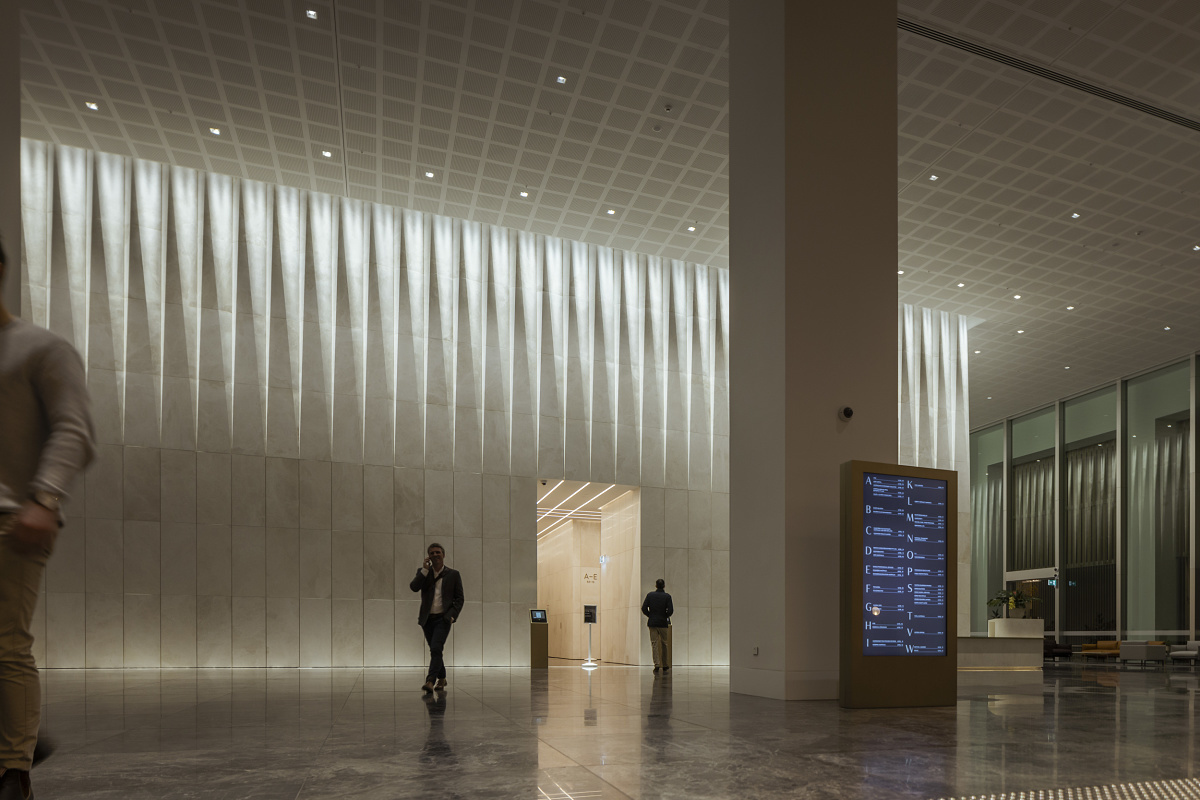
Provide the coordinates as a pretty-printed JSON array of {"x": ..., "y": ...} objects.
[
  {"x": 294, "y": 393},
  {"x": 379, "y": 632},
  {"x": 249, "y": 631}
]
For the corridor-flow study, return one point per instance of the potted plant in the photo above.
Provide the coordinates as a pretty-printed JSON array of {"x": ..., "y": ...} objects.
[{"x": 1014, "y": 603}]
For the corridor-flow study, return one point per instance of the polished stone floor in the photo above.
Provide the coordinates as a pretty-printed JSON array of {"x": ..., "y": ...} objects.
[{"x": 613, "y": 733}]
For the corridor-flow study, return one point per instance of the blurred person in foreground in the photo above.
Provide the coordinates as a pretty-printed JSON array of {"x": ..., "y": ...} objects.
[{"x": 45, "y": 439}]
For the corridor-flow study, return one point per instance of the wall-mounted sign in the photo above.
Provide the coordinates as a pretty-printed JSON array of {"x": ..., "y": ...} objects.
[
  {"x": 589, "y": 614},
  {"x": 591, "y": 577},
  {"x": 904, "y": 565}
]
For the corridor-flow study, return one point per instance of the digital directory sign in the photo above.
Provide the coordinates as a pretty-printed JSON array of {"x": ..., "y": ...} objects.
[
  {"x": 905, "y": 547},
  {"x": 898, "y": 592}
]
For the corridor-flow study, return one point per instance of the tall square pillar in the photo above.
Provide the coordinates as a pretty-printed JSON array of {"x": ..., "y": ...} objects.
[{"x": 813, "y": 301}]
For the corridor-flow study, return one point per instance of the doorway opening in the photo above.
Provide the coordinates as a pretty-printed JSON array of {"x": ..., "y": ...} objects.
[{"x": 589, "y": 553}]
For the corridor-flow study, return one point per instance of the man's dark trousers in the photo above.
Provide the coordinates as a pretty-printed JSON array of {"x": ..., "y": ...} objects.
[{"x": 437, "y": 630}]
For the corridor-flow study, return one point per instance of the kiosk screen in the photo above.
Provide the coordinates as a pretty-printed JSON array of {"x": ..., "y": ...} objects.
[{"x": 904, "y": 566}]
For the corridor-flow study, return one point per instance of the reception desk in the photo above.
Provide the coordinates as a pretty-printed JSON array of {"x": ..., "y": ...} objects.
[{"x": 1016, "y": 628}]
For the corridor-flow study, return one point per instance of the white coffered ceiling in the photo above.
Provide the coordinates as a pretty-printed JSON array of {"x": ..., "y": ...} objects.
[{"x": 1076, "y": 117}]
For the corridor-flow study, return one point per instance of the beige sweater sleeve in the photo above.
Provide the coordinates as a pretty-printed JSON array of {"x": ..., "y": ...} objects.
[{"x": 61, "y": 384}]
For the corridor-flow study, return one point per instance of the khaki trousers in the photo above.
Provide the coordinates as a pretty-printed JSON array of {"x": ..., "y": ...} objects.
[
  {"x": 660, "y": 646},
  {"x": 20, "y": 692}
]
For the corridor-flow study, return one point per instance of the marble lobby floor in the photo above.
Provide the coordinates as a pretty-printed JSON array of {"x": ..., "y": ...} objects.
[{"x": 617, "y": 732}]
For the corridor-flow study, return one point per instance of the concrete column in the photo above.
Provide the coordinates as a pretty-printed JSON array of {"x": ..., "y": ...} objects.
[
  {"x": 10, "y": 148},
  {"x": 813, "y": 304}
]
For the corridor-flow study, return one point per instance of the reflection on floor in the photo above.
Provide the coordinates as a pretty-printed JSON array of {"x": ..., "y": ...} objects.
[{"x": 612, "y": 733}]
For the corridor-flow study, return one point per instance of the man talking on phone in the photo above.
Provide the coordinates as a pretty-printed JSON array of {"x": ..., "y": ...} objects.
[{"x": 441, "y": 603}]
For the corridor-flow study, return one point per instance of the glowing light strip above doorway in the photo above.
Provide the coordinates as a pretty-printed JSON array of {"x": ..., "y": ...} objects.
[
  {"x": 575, "y": 513},
  {"x": 568, "y": 497}
]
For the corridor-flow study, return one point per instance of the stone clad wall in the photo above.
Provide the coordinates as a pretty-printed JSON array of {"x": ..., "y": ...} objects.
[{"x": 295, "y": 393}]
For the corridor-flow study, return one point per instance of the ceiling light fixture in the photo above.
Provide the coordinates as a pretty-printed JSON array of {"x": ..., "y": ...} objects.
[
  {"x": 428, "y": 174},
  {"x": 327, "y": 154},
  {"x": 1075, "y": 216},
  {"x": 1016, "y": 297},
  {"x": 611, "y": 211},
  {"x": 691, "y": 227},
  {"x": 93, "y": 106},
  {"x": 933, "y": 177},
  {"x": 977, "y": 352},
  {"x": 1167, "y": 328},
  {"x": 1070, "y": 308},
  {"x": 311, "y": 14},
  {"x": 989, "y": 398},
  {"x": 1196, "y": 247},
  {"x": 1066, "y": 367},
  {"x": 215, "y": 131},
  {"x": 899, "y": 272},
  {"x": 524, "y": 194},
  {"x": 961, "y": 285},
  {"x": 1020, "y": 331},
  {"x": 561, "y": 79}
]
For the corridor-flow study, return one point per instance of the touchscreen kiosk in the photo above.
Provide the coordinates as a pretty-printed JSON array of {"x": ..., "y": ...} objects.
[
  {"x": 537, "y": 615},
  {"x": 899, "y": 583}
]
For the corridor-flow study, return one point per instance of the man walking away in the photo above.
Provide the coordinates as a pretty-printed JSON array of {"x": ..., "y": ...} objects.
[
  {"x": 657, "y": 606},
  {"x": 441, "y": 603},
  {"x": 45, "y": 438}
]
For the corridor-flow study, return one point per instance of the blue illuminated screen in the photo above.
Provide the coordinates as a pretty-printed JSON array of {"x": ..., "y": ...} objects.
[{"x": 904, "y": 566}]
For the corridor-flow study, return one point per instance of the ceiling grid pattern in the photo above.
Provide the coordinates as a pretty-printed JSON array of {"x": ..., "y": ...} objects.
[
  {"x": 1016, "y": 157},
  {"x": 467, "y": 90}
]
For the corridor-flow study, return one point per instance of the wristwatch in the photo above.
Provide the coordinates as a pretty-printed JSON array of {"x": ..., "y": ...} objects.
[{"x": 45, "y": 499}]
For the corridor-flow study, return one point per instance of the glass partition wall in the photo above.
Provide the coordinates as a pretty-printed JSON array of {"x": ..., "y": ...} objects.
[
  {"x": 1088, "y": 572},
  {"x": 1086, "y": 506},
  {"x": 987, "y": 521},
  {"x": 1032, "y": 529},
  {"x": 1155, "y": 585}
]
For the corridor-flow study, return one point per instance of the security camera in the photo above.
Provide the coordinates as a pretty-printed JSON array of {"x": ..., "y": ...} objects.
[
  {"x": 845, "y": 413},
  {"x": 543, "y": 483}
]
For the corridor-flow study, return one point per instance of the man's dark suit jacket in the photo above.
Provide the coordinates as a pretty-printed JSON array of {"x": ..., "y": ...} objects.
[
  {"x": 452, "y": 593},
  {"x": 657, "y": 606}
]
